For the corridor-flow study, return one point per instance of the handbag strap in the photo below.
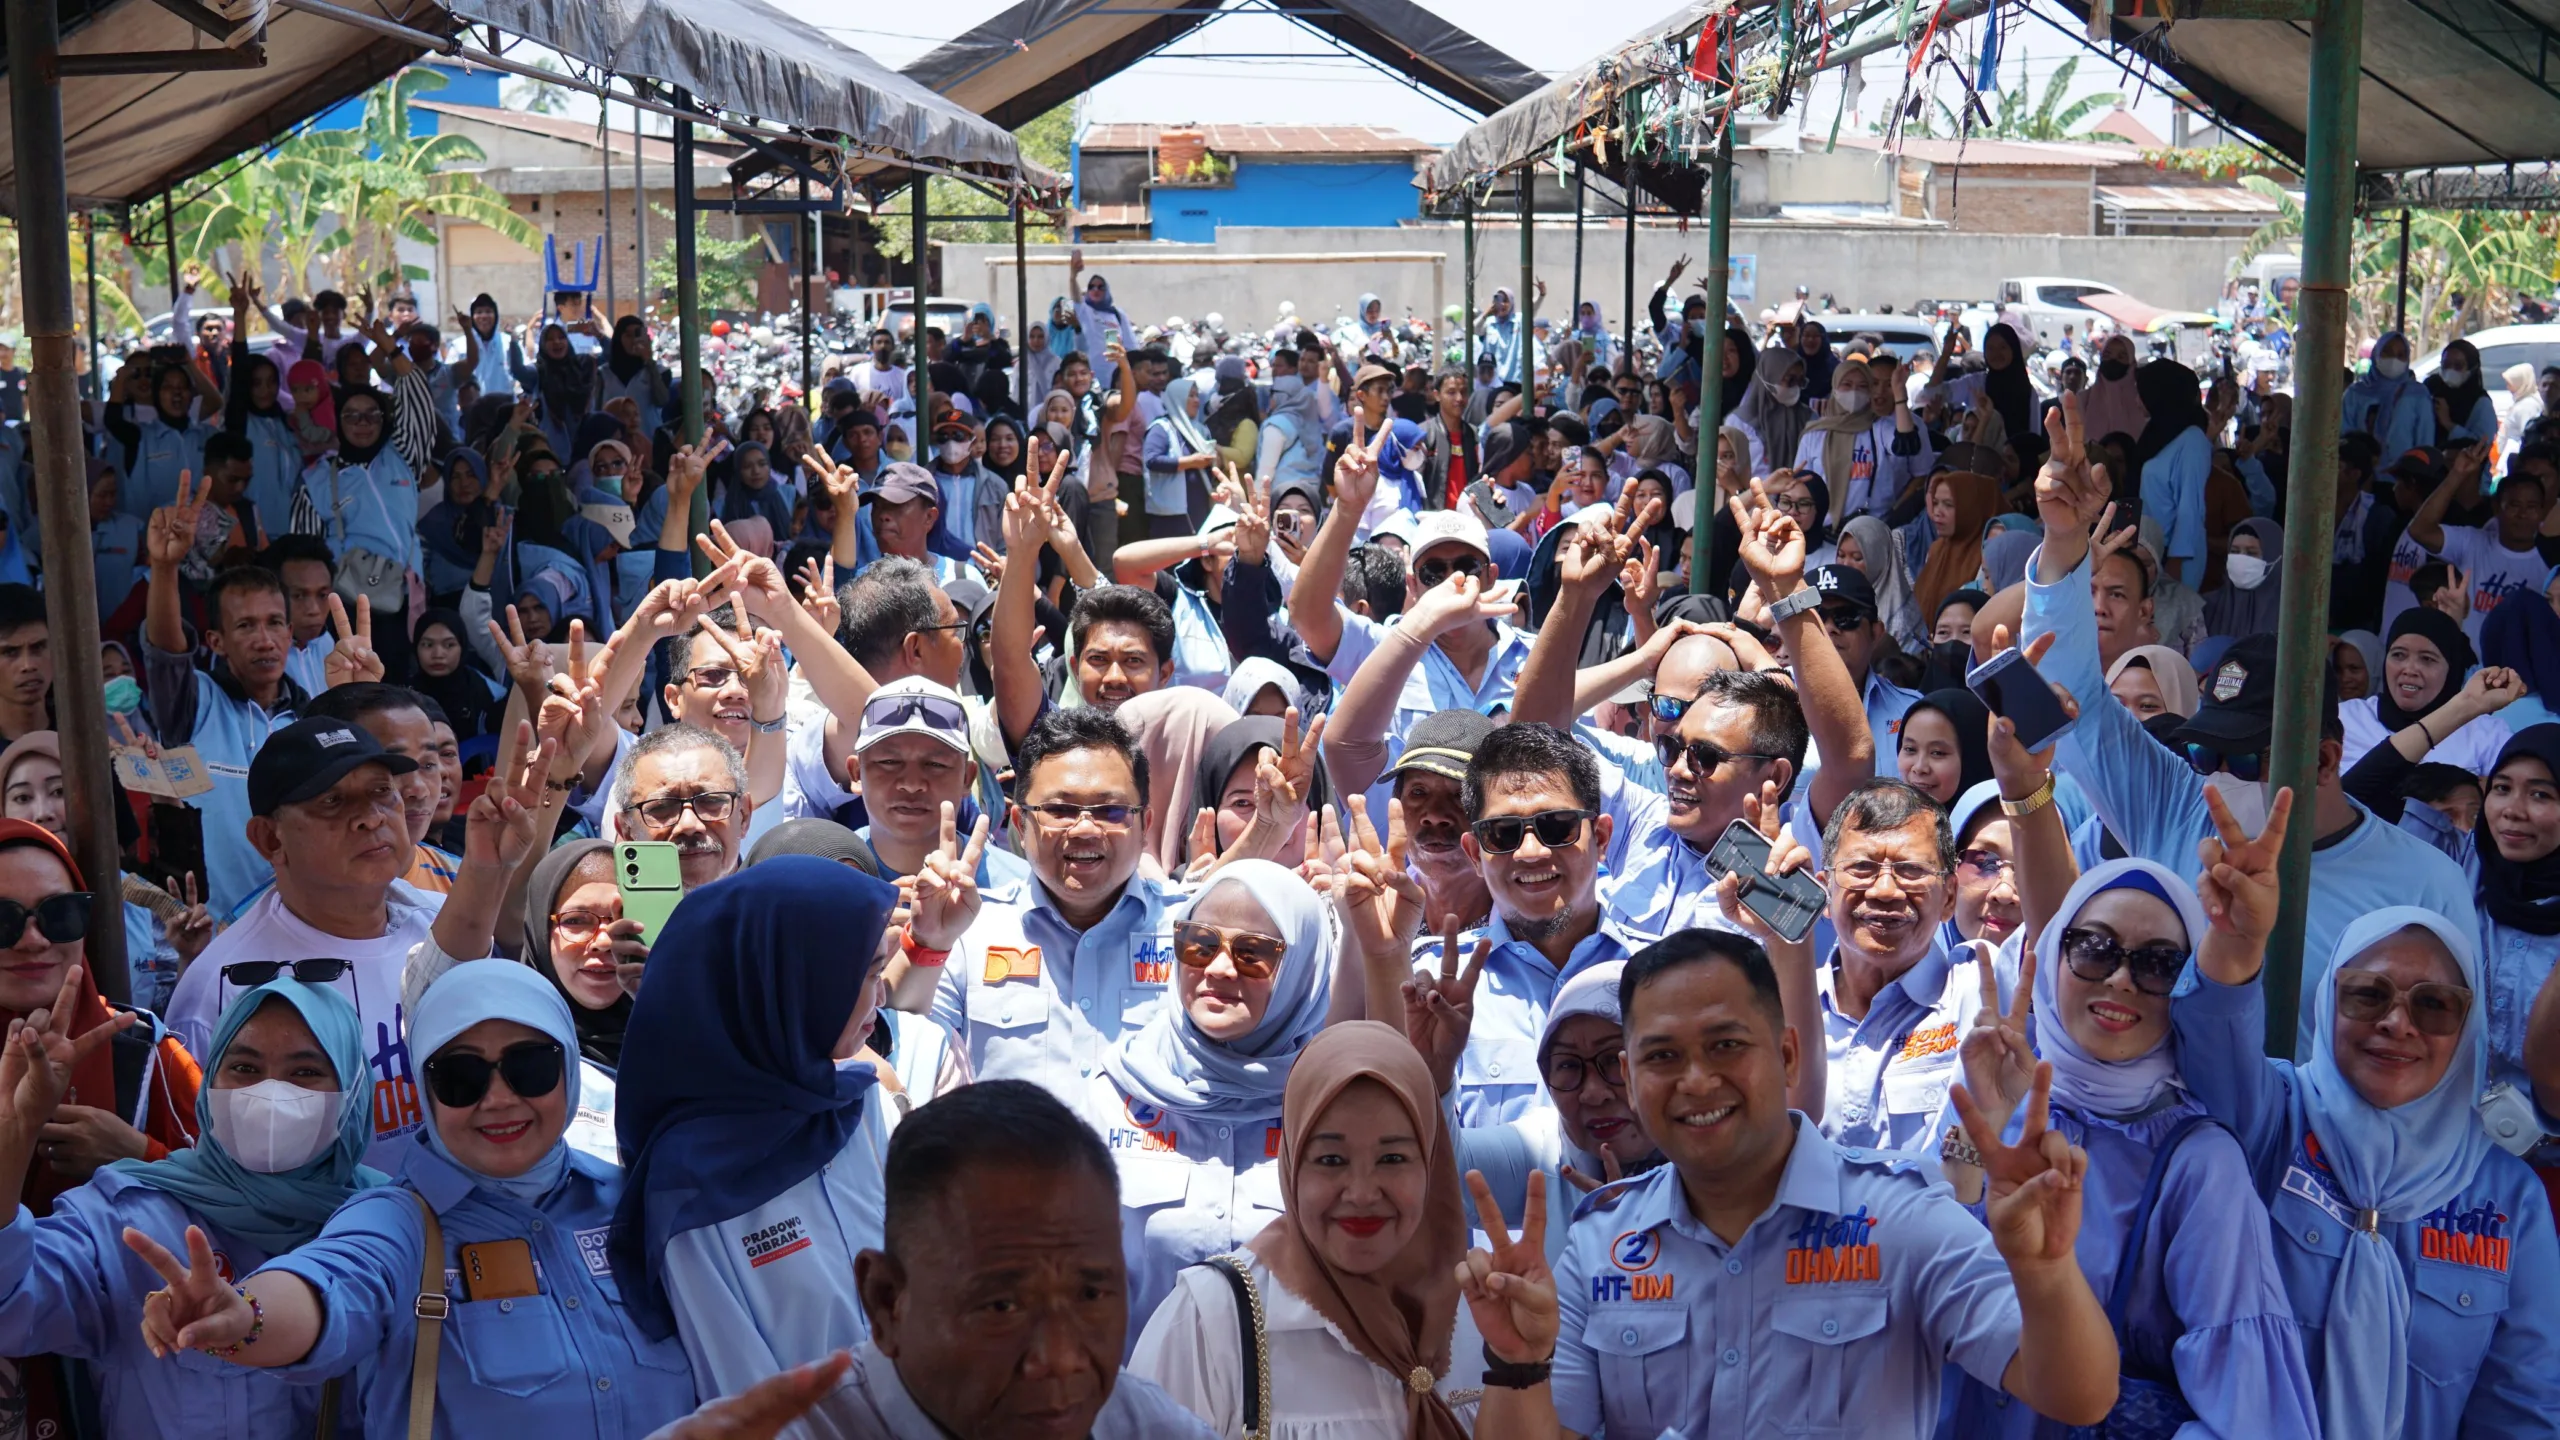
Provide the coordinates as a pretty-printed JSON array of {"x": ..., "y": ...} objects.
[
  {"x": 2120, "y": 1295},
  {"x": 433, "y": 1307},
  {"x": 1255, "y": 1341},
  {"x": 327, "y": 1428}
]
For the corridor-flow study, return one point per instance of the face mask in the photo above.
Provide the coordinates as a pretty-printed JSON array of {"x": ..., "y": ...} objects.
[
  {"x": 275, "y": 1125},
  {"x": 896, "y": 450},
  {"x": 1852, "y": 402},
  {"x": 2247, "y": 799},
  {"x": 1786, "y": 394},
  {"x": 2114, "y": 369},
  {"x": 2456, "y": 376},
  {"x": 2390, "y": 369},
  {"x": 1697, "y": 327},
  {"x": 955, "y": 452},
  {"x": 2246, "y": 571},
  {"x": 124, "y": 695}
]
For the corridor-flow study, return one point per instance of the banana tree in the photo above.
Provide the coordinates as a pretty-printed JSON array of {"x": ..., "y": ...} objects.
[{"x": 387, "y": 185}]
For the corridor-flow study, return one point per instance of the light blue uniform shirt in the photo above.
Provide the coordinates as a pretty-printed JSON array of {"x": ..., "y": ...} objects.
[
  {"x": 115, "y": 550},
  {"x": 1844, "y": 1303},
  {"x": 2173, "y": 492},
  {"x": 1661, "y": 883},
  {"x": 1190, "y": 1187},
  {"x": 161, "y": 454},
  {"x": 373, "y": 506},
  {"x": 1498, "y": 1078},
  {"x": 1501, "y": 340},
  {"x": 73, "y": 1289},
  {"x": 1433, "y": 685},
  {"x": 2484, "y": 1337},
  {"x": 2513, "y": 962},
  {"x": 2154, "y": 802},
  {"x": 2480, "y": 424},
  {"x": 308, "y": 665},
  {"x": 275, "y": 470},
  {"x": 191, "y": 707},
  {"x": 2399, "y": 413},
  {"x": 1887, "y": 1074},
  {"x": 562, "y": 1363},
  {"x": 1886, "y": 704},
  {"x": 1081, "y": 993}
]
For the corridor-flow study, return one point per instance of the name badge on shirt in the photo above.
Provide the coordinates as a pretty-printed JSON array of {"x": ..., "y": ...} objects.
[
  {"x": 1012, "y": 962},
  {"x": 499, "y": 1270},
  {"x": 591, "y": 1248},
  {"x": 2298, "y": 1181}
]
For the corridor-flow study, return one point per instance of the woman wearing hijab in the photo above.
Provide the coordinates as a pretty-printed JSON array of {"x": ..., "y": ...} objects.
[
  {"x": 2112, "y": 405},
  {"x": 2170, "y": 1231},
  {"x": 2357, "y": 657},
  {"x": 2412, "y": 1246},
  {"x": 157, "y": 437},
  {"x": 282, "y": 1126},
  {"x": 575, "y": 936},
  {"x": 2386, "y": 404},
  {"x": 747, "y": 1116},
  {"x": 2173, "y": 458},
  {"x": 1774, "y": 408},
  {"x": 2458, "y": 398},
  {"x": 1065, "y": 338},
  {"x": 1229, "y": 763},
  {"x": 368, "y": 501},
  {"x": 1866, "y": 457},
  {"x": 1955, "y": 557},
  {"x": 2153, "y": 680},
  {"x": 1591, "y": 332},
  {"x": 1177, "y": 454},
  {"x": 2424, "y": 660},
  {"x": 1191, "y": 1101},
  {"x": 257, "y": 412},
  {"x": 2252, "y": 593},
  {"x": 2002, "y": 387},
  {"x": 2005, "y": 552},
  {"x": 1357, "y": 1278},
  {"x": 1741, "y": 363},
  {"x": 1173, "y": 727},
  {"x": 562, "y": 383},
  {"x": 441, "y": 668},
  {"x": 535, "y": 1338},
  {"x": 1647, "y": 442},
  {"x": 1821, "y": 362},
  {"x": 1866, "y": 543},
  {"x": 2525, "y": 638},
  {"x": 449, "y": 532},
  {"x": 1097, "y": 316},
  {"x": 315, "y": 407},
  {"x": 1290, "y": 442},
  {"x": 1231, "y": 424},
  {"x": 1942, "y": 752},
  {"x": 1987, "y": 906}
]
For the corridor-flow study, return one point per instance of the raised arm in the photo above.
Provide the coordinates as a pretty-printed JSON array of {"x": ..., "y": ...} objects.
[
  {"x": 1587, "y": 562},
  {"x": 2040, "y": 840},
  {"x": 1368, "y": 703},
  {"x": 1312, "y": 598},
  {"x": 2462, "y": 470},
  {"x": 170, "y": 536},
  {"x": 1019, "y": 687},
  {"x": 1773, "y": 551}
]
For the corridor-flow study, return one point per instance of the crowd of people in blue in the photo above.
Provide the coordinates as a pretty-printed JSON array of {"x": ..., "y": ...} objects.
[{"x": 1245, "y": 891}]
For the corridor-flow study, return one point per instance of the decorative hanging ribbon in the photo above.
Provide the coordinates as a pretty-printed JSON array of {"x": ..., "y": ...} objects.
[
  {"x": 1986, "y": 77},
  {"x": 1703, "y": 58},
  {"x": 1920, "y": 52}
]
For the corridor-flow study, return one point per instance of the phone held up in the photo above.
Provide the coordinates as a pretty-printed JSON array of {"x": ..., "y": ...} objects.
[{"x": 1789, "y": 903}]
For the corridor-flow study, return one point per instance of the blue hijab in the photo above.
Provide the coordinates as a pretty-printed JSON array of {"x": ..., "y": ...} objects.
[
  {"x": 1397, "y": 462},
  {"x": 2107, "y": 1087},
  {"x": 276, "y": 1212},
  {"x": 1170, "y": 1064},
  {"x": 2524, "y": 637},
  {"x": 2403, "y": 1162},
  {"x": 729, "y": 1092},
  {"x": 1064, "y": 338},
  {"x": 495, "y": 990},
  {"x": 2372, "y": 389}
]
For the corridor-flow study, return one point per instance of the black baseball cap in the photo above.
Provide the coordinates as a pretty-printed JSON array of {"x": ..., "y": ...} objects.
[
  {"x": 1844, "y": 585},
  {"x": 301, "y": 761},
  {"x": 2236, "y": 700},
  {"x": 1443, "y": 743},
  {"x": 1503, "y": 444}
]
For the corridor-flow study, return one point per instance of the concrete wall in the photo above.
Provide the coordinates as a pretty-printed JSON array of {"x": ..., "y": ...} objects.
[{"x": 1863, "y": 268}]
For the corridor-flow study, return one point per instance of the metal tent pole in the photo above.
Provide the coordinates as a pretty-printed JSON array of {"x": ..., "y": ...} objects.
[
  {"x": 604, "y": 257},
  {"x": 89, "y": 227},
  {"x": 688, "y": 277},
  {"x": 808, "y": 302},
  {"x": 1627, "y": 301},
  {"x": 1573, "y": 325},
  {"x": 169, "y": 230},
  {"x": 1021, "y": 310},
  {"x": 53, "y": 414},
  {"x": 1467, "y": 321},
  {"x": 918, "y": 369},
  {"x": 2311, "y": 501},
  {"x": 1711, "y": 358},
  {"x": 2400, "y": 310},
  {"x": 1524, "y": 310},
  {"x": 639, "y": 222}
]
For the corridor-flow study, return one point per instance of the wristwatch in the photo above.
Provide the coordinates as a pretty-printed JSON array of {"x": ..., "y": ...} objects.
[
  {"x": 2036, "y": 800},
  {"x": 1794, "y": 605}
]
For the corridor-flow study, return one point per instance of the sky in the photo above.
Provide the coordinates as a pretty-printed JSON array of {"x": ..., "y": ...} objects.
[{"x": 1192, "y": 81}]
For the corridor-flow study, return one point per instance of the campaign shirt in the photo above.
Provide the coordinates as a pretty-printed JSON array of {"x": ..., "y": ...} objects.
[
  {"x": 1888, "y": 1071},
  {"x": 1034, "y": 999},
  {"x": 1190, "y": 1186},
  {"x": 2406, "y": 556},
  {"x": 2497, "y": 573}
]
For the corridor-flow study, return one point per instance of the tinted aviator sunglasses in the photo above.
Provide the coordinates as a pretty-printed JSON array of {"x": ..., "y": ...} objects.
[
  {"x": 2095, "y": 956},
  {"x": 1255, "y": 957},
  {"x": 1432, "y": 572},
  {"x": 2205, "y": 760},
  {"x": 63, "y": 918},
  {"x": 1705, "y": 757},
  {"x": 1555, "y": 829},
  {"x": 2435, "y": 1008},
  {"x": 459, "y": 1079}
]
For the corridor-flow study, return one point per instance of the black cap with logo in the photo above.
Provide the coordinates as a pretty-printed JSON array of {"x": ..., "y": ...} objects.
[{"x": 304, "y": 759}]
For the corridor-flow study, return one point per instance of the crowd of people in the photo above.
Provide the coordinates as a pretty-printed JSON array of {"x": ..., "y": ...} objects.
[{"x": 1268, "y": 895}]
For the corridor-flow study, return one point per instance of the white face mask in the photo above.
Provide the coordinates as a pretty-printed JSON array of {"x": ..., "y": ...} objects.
[
  {"x": 955, "y": 452},
  {"x": 1786, "y": 394},
  {"x": 2390, "y": 369},
  {"x": 2247, "y": 799},
  {"x": 2456, "y": 376},
  {"x": 2246, "y": 571},
  {"x": 1851, "y": 402},
  {"x": 275, "y": 1125}
]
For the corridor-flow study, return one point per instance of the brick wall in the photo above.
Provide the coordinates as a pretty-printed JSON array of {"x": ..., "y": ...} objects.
[
  {"x": 477, "y": 260},
  {"x": 2006, "y": 200}
]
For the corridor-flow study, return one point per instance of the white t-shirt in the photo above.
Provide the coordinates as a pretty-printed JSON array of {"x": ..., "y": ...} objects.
[
  {"x": 2497, "y": 573},
  {"x": 269, "y": 931},
  {"x": 872, "y": 379},
  {"x": 2475, "y": 747},
  {"x": 2406, "y": 556}
]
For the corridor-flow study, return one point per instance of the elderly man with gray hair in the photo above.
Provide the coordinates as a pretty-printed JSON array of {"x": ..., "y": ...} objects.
[{"x": 687, "y": 786}]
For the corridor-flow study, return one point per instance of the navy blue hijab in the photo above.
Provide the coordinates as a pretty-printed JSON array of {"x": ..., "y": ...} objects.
[{"x": 729, "y": 1093}]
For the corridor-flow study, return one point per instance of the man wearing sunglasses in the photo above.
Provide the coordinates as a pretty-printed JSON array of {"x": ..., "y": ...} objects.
[
  {"x": 2152, "y": 797},
  {"x": 328, "y": 814},
  {"x": 686, "y": 786},
  {"x": 1848, "y": 613},
  {"x": 1049, "y": 975}
]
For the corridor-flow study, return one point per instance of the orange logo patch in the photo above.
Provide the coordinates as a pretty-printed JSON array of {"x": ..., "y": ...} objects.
[
  {"x": 1012, "y": 962},
  {"x": 1936, "y": 1040}
]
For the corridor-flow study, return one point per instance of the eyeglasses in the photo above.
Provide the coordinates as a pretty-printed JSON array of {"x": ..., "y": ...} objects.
[
  {"x": 888, "y": 712},
  {"x": 2434, "y": 1007},
  {"x": 1255, "y": 957},
  {"x": 2095, "y": 956},
  {"x": 1060, "y": 816},
  {"x": 1565, "y": 1071},
  {"x": 2246, "y": 768},
  {"x": 250, "y": 974},
  {"x": 1705, "y": 757},
  {"x": 710, "y": 807},
  {"x": 1432, "y": 572},
  {"x": 1555, "y": 829},
  {"x": 578, "y": 925},
  {"x": 1667, "y": 709},
  {"x": 360, "y": 417},
  {"x": 1909, "y": 874},
  {"x": 459, "y": 1079},
  {"x": 63, "y": 918},
  {"x": 711, "y": 677},
  {"x": 1984, "y": 864}
]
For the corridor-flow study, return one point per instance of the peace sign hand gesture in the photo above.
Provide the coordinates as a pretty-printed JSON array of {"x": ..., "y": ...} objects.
[
  {"x": 1281, "y": 778},
  {"x": 946, "y": 889},
  {"x": 2034, "y": 1184},
  {"x": 198, "y": 1310},
  {"x": 2238, "y": 881},
  {"x": 1998, "y": 1058},
  {"x": 1508, "y": 1287},
  {"x": 353, "y": 659},
  {"x": 1440, "y": 1012},
  {"x": 1772, "y": 543},
  {"x": 818, "y": 592},
  {"x": 1380, "y": 900},
  {"x": 498, "y": 828},
  {"x": 841, "y": 484},
  {"x": 172, "y": 531},
  {"x": 1355, "y": 471},
  {"x": 37, "y": 1063}
]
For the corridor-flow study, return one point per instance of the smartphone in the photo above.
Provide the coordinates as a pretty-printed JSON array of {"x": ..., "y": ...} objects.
[
  {"x": 651, "y": 882},
  {"x": 2128, "y": 513},
  {"x": 2011, "y": 687},
  {"x": 1789, "y": 903}
]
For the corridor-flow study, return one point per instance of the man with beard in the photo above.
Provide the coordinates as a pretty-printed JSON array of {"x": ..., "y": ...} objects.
[{"x": 687, "y": 786}]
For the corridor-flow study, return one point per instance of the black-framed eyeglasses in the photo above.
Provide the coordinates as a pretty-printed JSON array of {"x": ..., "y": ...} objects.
[
  {"x": 353, "y": 417},
  {"x": 63, "y": 918},
  {"x": 710, "y": 807},
  {"x": 1431, "y": 572},
  {"x": 2095, "y": 956},
  {"x": 250, "y": 974},
  {"x": 1908, "y": 874},
  {"x": 888, "y": 712},
  {"x": 2247, "y": 767},
  {"x": 532, "y": 1069},
  {"x": 1555, "y": 829},
  {"x": 1566, "y": 1071},
  {"x": 1705, "y": 756},
  {"x": 1057, "y": 815}
]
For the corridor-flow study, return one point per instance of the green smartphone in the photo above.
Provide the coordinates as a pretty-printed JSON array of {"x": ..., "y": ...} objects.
[{"x": 651, "y": 882}]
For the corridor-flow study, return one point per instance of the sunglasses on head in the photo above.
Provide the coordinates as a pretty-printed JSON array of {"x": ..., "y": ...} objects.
[
  {"x": 1255, "y": 957},
  {"x": 250, "y": 974},
  {"x": 1555, "y": 829},
  {"x": 1667, "y": 709},
  {"x": 63, "y": 918},
  {"x": 459, "y": 1079},
  {"x": 1432, "y": 572},
  {"x": 2246, "y": 768},
  {"x": 888, "y": 712},
  {"x": 1705, "y": 756},
  {"x": 2435, "y": 1008},
  {"x": 2095, "y": 956}
]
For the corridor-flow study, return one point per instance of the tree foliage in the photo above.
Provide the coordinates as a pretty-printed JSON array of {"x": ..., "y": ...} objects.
[
  {"x": 2012, "y": 114},
  {"x": 1045, "y": 139},
  {"x": 2466, "y": 267},
  {"x": 725, "y": 269}
]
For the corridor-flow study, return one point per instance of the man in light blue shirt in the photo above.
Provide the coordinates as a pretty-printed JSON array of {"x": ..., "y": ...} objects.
[{"x": 1052, "y": 972}]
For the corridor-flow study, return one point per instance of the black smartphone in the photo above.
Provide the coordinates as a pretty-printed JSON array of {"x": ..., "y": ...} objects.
[
  {"x": 2011, "y": 687},
  {"x": 1789, "y": 903},
  {"x": 2128, "y": 513}
]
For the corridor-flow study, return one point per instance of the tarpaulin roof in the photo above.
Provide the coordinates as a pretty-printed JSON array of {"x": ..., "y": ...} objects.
[{"x": 1041, "y": 52}]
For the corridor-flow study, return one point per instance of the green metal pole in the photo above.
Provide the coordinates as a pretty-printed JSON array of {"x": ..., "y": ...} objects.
[
  {"x": 1524, "y": 308},
  {"x": 1467, "y": 321},
  {"x": 919, "y": 373},
  {"x": 688, "y": 275},
  {"x": 1711, "y": 358},
  {"x": 2320, "y": 336},
  {"x": 1627, "y": 300}
]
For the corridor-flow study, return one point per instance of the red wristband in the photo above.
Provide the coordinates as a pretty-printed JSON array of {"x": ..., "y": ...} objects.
[{"x": 919, "y": 956}]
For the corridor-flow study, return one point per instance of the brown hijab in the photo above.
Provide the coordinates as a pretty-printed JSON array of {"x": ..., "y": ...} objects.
[
  {"x": 1402, "y": 1316},
  {"x": 1956, "y": 557}
]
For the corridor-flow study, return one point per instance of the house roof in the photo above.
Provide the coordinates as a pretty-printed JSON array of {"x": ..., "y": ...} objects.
[
  {"x": 653, "y": 149},
  {"x": 2057, "y": 154},
  {"x": 1345, "y": 140},
  {"x": 2121, "y": 121},
  {"x": 2232, "y": 200}
]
